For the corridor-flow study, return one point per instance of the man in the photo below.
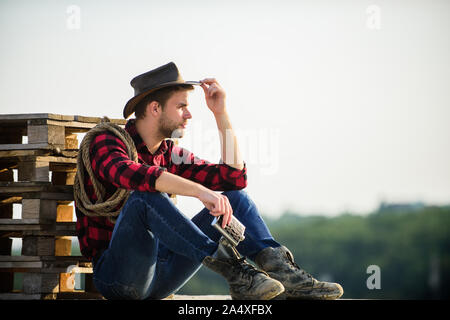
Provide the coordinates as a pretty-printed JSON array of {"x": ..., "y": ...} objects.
[{"x": 152, "y": 250}]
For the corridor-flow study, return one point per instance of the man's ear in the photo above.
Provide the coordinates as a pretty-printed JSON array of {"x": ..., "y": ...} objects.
[{"x": 153, "y": 108}]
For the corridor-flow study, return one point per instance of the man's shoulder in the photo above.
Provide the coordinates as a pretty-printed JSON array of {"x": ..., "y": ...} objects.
[{"x": 104, "y": 139}]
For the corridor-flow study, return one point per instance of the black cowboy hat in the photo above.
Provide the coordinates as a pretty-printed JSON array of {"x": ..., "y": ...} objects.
[{"x": 164, "y": 76}]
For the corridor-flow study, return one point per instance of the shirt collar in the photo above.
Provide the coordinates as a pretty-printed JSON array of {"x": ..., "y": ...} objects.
[{"x": 130, "y": 127}]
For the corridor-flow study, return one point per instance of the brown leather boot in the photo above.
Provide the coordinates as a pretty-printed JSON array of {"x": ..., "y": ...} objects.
[
  {"x": 245, "y": 281},
  {"x": 279, "y": 264}
]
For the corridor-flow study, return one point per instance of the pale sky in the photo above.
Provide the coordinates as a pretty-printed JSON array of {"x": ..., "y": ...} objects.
[{"x": 338, "y": 105}]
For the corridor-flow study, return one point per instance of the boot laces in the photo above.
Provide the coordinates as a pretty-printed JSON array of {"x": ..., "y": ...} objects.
[
  {"x": 246, "y": 268},
  {"x": 296, "y": 266}
]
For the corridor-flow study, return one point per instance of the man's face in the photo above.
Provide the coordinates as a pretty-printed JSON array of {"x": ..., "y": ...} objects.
[{"x": 175, "y": 115}]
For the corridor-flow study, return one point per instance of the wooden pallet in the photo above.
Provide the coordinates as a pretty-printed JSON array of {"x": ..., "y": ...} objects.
[{"x": 37, "y": 173}]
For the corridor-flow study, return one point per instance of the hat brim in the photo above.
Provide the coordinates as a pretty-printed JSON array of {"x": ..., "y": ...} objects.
[{"x": 131, "y": 104}]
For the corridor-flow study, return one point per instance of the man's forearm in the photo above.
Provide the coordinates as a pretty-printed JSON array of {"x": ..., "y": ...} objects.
[
  {"x": 217, "y": 204},
  {"x": 173, "y": 184},
  {"x": 230, "y": 152}
]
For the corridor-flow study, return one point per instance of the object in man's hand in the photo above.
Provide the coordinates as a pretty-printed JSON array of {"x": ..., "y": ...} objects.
[
  {"x": 233, "y": 232},
  {"x": 193, "y": 82}
]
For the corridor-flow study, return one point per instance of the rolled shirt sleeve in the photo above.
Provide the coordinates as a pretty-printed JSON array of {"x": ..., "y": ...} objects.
[
  {"x": 111, "y": 163},
  {"x": 218, "y": 177}
]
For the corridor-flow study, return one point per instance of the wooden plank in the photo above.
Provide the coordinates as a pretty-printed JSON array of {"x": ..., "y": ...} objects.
[
  {"x": 30, "y": 116},
  {"x": 21, "y": 222},
  {"x": 29, "y": 185},
  {"x": 25, "y": 146},
  {"x": 23, "y": 296},
  {"x": 65, "y": 195},
  {"x": 8, "y": 258},
  {"x": 55, "y": 195},
  {"x": 51, "y": 134},
  {"x": 98, "y": 120},
  {"x": 75, "y": 295},
  {"x": 64, "y": 165},
  {"x": 28, "y": 155},
  {"x": 32, "y": 156},
  {"x": 71, "y": 141},
  {"x": 64, "y": 213},
  {"x": 34, "y": 171},
  {"x": 6, "y": 212},
  {"x": 63, "y": 246},
  {"x": 24, "y": 187},
  {"x": 53, "y": 116},
  {"x": 16, "y": 227},
  {"x": 42, "y": 209},
  {"x": 38, "y": 246},
  {"x": 9, "y": 200},
  {"x": 66, "y": 282},
  {"x": 45, "y": 264},
  {"x": 59, "y": 260},
  {"x": 40, "y": 283},
  {"x": 72, "y": 127},
  {"x": 7, "y": 155},
  {"x": 32, "y": 227},
  {"x": 80, "y": 295},
  {"x": 75, "y": 269},
  {"x": 22, "y": 265}
]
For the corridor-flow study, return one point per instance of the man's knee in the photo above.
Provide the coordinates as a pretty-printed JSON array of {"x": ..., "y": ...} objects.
[
  {"x": 145, "y": 195},
  {"x": 236, "y": 194},
  {"x": 139, "y": 202}
]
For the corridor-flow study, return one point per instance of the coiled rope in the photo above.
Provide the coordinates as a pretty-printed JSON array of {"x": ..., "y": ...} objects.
[{"x": 102, "y": 207}]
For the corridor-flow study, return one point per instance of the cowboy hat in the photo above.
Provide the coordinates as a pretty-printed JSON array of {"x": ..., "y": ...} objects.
[{"x": 144, "y": 84}]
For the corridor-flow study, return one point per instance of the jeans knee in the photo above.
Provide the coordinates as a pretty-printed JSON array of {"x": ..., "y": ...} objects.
[
  {"x": 148, "y": 195},
  {"x": 232, "y": 194},
  {"x": 240, "y": 200}
]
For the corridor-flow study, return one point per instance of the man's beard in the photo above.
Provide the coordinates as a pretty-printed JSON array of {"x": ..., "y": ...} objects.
[{"x": 169, "y": 129}]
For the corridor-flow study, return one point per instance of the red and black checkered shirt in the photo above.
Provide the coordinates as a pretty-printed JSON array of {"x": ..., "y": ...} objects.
[{"x": 114, "y": 169}]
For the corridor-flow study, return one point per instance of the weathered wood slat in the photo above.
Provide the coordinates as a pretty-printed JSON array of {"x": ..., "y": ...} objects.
[
  {"x": 23, "y": 117},
  {"x": 63, "y": 260},
  {"x": 43, "y": 210},
  {"x": 36, "y": 189},
  {"x": 45, "y": 264},
  {"x": 75, "y": 295},
  {"x": 28, "y": 155},
  {"x": 30, "y": 185},
  {"x": 47, "y": 133},
  {"x": 40, "y": 282},
  {"x": 25, "y": 146},
  {"x": 11, "y": 157},
  {"x": 20, "y": 117},
  {"x": 10, "y": 200}
]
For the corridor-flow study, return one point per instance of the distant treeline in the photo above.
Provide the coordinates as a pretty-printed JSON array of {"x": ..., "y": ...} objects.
[{"x": 410, "y": 245}]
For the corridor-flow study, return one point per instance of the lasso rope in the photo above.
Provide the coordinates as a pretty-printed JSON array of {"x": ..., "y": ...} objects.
[{"x": 102, "y": 207}]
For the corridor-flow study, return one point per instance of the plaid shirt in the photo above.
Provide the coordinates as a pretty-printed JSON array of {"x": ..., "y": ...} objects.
[{"x": 114, "y": 169}]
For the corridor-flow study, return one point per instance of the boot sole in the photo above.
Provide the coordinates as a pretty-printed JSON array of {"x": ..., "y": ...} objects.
[
  {"x": 314, "y": 295},
  {"x": 269, "y": 295}
]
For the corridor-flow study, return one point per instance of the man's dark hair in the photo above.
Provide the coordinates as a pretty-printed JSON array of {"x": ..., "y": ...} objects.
[{"x": 161, "y": 96}]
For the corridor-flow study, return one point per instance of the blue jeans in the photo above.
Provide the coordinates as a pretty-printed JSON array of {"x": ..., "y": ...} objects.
[{"x": 155, "y": 249}]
